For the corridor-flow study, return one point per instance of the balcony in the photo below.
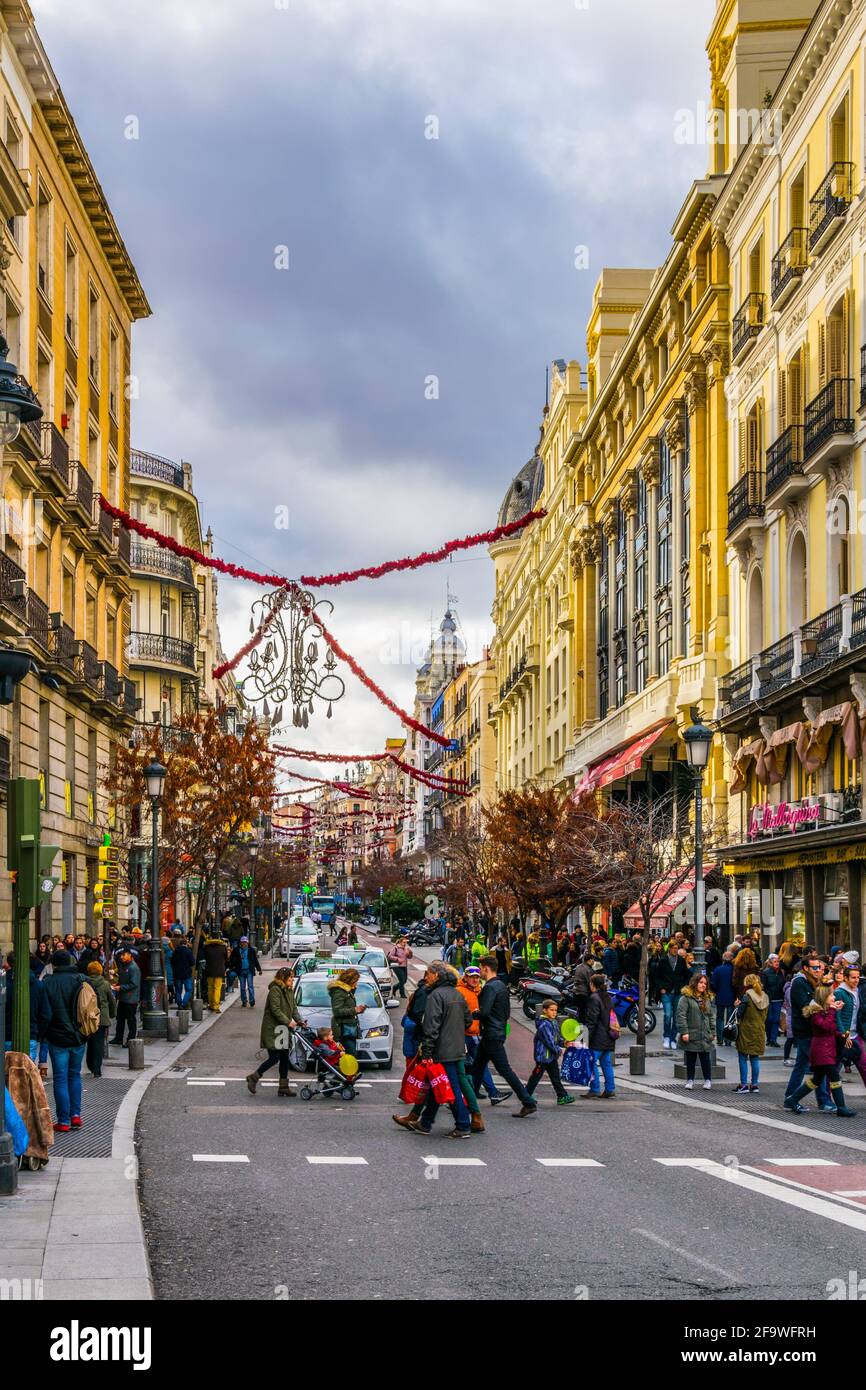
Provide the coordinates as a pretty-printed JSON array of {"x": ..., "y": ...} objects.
[
  {"x": 776, "y": 665},
  {"x": 748, "y": 322},
  {"x": 123, "y": 542},
  {"x": 746, "y": 503},
  {"x": 790, "y": 263},
  {"x": 55, "y": 457},
  {"x": 87, "y": 666},
  {"x": 127, "y": 699},
  {"x": 829, "y": 205},
  {"x": 786, "y": 472},
  {"x": 829, "y": 424},
  {"x": 109, "y": 685},
  {"x": 155, "y": 646},
  {"x": 38, "y": 620},
  {"x": 61, "y": 644},
  {"x": 13, "y": 592},
  {"x": 153, "y": 559},
  {"x": 735, "y": 689},
  {"x": 80, "y": 496},
  {"x": 820, "y": 640},
  {"x": 152, "y": 466},
  {"x": 103, "y": 527}
]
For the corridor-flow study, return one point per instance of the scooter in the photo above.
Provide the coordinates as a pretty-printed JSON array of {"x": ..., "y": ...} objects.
[{"x": 624, "y": 999}]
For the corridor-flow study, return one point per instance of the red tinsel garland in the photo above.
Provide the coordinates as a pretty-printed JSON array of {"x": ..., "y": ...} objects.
[
  {"x": 312, "y": 757},
  {"x": 272, "y": 581}
]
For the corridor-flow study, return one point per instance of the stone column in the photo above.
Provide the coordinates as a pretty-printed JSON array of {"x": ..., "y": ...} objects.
[
  {"x": 628, "y": 503},
  {"x": 649, "y": 466}
]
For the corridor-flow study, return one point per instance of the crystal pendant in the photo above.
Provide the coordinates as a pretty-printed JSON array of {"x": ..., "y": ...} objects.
[
  {"x": 329, "y": 709},
  {"x": 252, "y": 626},
  {"x": 305, "y": 719}
]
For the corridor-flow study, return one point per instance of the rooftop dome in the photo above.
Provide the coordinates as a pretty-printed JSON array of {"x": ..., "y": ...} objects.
[{"x": 523, "y": 493}]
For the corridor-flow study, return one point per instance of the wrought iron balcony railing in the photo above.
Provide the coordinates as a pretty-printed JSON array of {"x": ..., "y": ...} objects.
[
  {"x": 154, "y": 646},
  {"x": 153, "y": 466},
  {"x": 13, "y": 587},
  {"x": 784, "y": 459},
  {"x": 748, "y": 321},
  {"x": 828, "y": 414},
  {"x": 830, "y": 202},
  {"x": 746, "y": 498},
  {"x": 790, "y": 261},
  {"x": 153, "y": 559}
]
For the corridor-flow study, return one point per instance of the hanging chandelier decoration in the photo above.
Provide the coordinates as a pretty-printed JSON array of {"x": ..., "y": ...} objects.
[{"x": 292, "y": 663}]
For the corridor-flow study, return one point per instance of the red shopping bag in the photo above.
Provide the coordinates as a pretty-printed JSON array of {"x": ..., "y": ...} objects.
[
  {"x": 416, "y": 1083},
  {"x": 439, "y": 1083}
]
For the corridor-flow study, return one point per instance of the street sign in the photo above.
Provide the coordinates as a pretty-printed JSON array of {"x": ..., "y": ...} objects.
[{"x": 193, "y": 885}]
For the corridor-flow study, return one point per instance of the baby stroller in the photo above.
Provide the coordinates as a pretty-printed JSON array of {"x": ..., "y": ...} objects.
[{"x": 330, "y": 1081}]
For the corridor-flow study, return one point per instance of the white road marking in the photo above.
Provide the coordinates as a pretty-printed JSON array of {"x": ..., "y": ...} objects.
[
  {"x": 569, "y": 1163},
  {"x": 794, "y": 1195},
  {"x": 686, "y": 1254},
  {"x": 220, "y": 1158},
  {"x": 190, "y": 1082},
  {"x": 432, "y": 1160},
  {"x": 340, "y": 1161},
  {"x": 850, "y": 1192},
  {"x": 803, "y": 1162},
  {"x": 731, "y": 1112}
]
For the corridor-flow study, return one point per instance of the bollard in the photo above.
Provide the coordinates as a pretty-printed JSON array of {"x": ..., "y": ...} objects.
[
  {"x": 637, "y": 1060},
  {"x": 197, "y": 1010},
  {"x": 136, "y": 1054},
  {"x": 183, "y": 1021},
  {"x": 172, "y": 1028}
]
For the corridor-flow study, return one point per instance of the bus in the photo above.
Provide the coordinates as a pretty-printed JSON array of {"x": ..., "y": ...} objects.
[{"x": 326, "y": 907}]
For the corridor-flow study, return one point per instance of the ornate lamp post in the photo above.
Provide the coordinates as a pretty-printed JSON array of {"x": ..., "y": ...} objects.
[
  {"x": 19, "y": 404},
  {"x": 698, "y": 740},
  {"x": 153, "y": 1013},
  {"x": 254, "y": 854}
]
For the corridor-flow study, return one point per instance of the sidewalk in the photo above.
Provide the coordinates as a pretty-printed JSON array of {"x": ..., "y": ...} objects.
[{"x": 73, "y": 1230}]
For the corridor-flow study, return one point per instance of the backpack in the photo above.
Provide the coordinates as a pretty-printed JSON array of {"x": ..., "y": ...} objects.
[{"x": 86, "y": 1010}]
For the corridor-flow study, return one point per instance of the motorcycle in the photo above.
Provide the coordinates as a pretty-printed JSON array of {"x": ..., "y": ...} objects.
[
  {"x": 624, "y": 998},
  {"x": 421, "y": 936}
]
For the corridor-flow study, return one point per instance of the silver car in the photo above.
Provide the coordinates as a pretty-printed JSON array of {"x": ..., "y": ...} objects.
[
  {"x": 375, "y": 1043},
  {"x": 372, "y": 958}
]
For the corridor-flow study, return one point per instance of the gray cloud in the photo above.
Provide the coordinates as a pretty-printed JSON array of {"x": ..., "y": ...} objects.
[{"x": 408, "y": 257}]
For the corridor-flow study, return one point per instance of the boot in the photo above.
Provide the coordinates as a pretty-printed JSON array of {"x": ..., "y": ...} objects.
[
  {"x": 285, "y": 1087},
  {"x": 839, "y": 1098},
  {"x": 252, "y": 1082},
  {"x": 404, "y": 1121},
  {"x": 792, "y": 1102},
  {"x": 476, "y": 1124}
]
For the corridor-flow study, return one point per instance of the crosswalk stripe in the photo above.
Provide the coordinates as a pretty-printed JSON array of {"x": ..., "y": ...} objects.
[
  {"x": 433, "y": 1161},
  {"x": 803, "y": 1162},
  {"x": 220, "y": 1158},
  {"x": 780, "y": 1190},
  {"x": 849, "y": 1192},
  {"x": 190, "y": 1082},
  {"x": 569, "y": 1163},
  {"x": 340, "y": 1161}
]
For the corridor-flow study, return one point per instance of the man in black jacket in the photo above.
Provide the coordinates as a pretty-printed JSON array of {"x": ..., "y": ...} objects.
[
  {"x": 672, "y": 976},
  {"x": 494, "y": 1010},
  {"x": 66, "y": 1046},
  {"x": 182, "y": 966},
  {"x": 446, "y": 1018},
  {"x": 244, "y": 961}
]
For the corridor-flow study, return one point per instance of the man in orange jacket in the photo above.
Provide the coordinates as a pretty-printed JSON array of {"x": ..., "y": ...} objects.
[{"x": 470, "y": 987}]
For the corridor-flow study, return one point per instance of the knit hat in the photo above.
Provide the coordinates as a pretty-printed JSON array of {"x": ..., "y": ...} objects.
[
  {"x": 244, "y": 939},
  {"x": 61, "y": 958}
]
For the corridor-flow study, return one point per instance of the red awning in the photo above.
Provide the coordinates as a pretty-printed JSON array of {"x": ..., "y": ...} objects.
[
  {"x": 627, "y": 760},
  {"x": 667, "y": 902}
]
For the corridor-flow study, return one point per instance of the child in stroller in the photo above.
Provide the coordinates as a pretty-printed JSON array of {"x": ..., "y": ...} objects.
[{"x": 320, "y": 1046}]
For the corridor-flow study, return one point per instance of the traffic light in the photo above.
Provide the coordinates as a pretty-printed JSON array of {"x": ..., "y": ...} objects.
[
  {"x": 104, "y": 892},
  {"x": 26, "y": 856}
]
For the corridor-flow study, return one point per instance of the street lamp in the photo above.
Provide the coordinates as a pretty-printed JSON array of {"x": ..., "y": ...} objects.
[
  {"x": 153, "y": 1013},
  {"x": 19, "y": 404},
  {"x": 698, "y": 740},
  {"x": 254, "y": 854}
]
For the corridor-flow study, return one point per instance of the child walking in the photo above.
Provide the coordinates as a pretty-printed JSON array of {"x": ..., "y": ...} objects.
[{"x": 546, "y": 1053}]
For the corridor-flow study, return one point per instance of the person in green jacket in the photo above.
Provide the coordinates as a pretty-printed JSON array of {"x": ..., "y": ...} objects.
[
  {"x": 752, "y": 1033},
  {"x": 696, "y": 1027},
  {"x": 344, "y": 1009},
  {"x": 280, "y": 1017},
  {"x": 107, "y": 1011},
  {"x": 479, "y": 948}
]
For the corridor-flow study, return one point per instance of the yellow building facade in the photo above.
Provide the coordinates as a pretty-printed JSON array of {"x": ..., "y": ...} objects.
[{"x": 69, "y": 295}]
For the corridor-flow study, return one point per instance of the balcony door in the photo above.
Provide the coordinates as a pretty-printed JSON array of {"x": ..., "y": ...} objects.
[{"x": 798, "y": 601}]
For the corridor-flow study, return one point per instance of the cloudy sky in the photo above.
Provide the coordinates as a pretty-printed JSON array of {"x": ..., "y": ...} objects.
[{"x": 303, "y": 124}]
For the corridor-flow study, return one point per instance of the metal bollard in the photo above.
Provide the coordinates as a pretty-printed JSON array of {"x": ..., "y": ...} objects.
[
  {"x": 183, "y": 1021},
  {"x": 197, "y": 1010},
  {"x": 172, "y": 1028},
  {"x": 136, "y": 1054}
]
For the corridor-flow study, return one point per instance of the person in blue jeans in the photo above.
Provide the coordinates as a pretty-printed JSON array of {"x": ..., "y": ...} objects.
[
  {"x": 446, "y": 1019},
  {"x": 600, "y": 1039},
  {"x": 66, "y": 1045},
  {"x": 245, "y": 963},
  {"x": 182, "y": 966},
  {"x": 803, "y": 987},
  {"x": 773, "y": 983},
  {"x": 672, "y": 976},
  {"x": 722, "y": 986}
]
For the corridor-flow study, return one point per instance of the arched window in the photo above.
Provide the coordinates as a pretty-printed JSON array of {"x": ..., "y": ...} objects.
[
  {"x": 755, "y": 615},
  {"x": 798, "y": 600},
  {"x": 839, "y": 525}
]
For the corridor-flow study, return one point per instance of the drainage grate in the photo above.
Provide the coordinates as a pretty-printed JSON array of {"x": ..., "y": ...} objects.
[{"x": 100, "y": 1103}]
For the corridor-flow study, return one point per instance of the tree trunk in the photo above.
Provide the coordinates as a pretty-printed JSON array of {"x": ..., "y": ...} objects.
[{"x": 642, "y": 974}]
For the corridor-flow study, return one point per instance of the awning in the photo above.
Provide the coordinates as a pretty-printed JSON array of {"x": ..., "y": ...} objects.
[
  {"x": 620, "y": 764},
  {"x": 667, "y": 901}
]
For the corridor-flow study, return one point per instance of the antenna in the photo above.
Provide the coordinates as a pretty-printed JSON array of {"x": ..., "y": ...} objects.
[{"x": 547, "y": 385}]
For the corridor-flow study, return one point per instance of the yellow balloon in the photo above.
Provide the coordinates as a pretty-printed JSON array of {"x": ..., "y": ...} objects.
[{"x": 348, "y": 1064}]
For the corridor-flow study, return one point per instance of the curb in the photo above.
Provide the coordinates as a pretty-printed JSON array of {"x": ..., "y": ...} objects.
[{"x": 123, "y": 1134}]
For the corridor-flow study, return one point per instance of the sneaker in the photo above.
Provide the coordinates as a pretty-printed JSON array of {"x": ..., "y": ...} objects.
[
  {"x": 526, "y": 1110},
  {"x": 827, "y": 1109},
  {"x": 64, "y": 1129},
  {"x": 708, "y": 1085},
  {"x": 608, "y": 1095},
  {"x": 795, "y": 1107},
  {"x": 753, "y": 1089},
  {"x": 565, "y": 1100},
  {"x": 500, "y": 1097},
  {"x": 690, "y": 1085},
  {"x": 76, "y": 1121},
  {"x": 744, "y": 1091},
  {"x": 459, "y": 1133}
]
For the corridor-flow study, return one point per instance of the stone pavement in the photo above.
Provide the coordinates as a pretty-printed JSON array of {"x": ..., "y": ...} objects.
[{"x": 73, "y": 1230}]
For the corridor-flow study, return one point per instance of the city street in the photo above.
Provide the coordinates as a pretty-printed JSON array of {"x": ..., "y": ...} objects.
[{"x": 639, "y": 1198}]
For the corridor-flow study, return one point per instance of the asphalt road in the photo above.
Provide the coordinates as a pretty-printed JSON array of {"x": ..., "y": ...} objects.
[{"x": 639, "y": 1198}]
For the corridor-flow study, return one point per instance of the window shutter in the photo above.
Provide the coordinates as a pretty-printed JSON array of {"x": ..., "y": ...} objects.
[
  {"x": 752, "y": 439},
  {"x": 795, "y": 392},
  {"x": 822, "y": 356},
  {"x": 742, "y": 461},
  {"x": 783, "y": 401},
  {"x": 843, "y": 331}
]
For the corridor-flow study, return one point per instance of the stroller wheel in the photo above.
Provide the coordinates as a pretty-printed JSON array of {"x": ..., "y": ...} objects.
[
  {"x": 306, "y": 1093},
  {"x": 348, "y": 1093}
]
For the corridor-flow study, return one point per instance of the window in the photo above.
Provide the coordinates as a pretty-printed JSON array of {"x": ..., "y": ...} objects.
[
  {"x": 15, "y": 149},
  {"x": 664, "y": 641},
  {"x": 111, "y": 636},
  {"x": 93, "y": 453},
  {"x": 93, "y": 334},
  {"x": 686, "y": 535},
  {"x": 69, "y": 789},
  {"x": 71, "y": 293},
  {"x": 90, "y": 619},
  {"x": 797, "y": 200},
  {"x": 840, "y": 134},
  {"x": 44, "y": 752},
  {"x": 12, "y": 330},
  {"x": 44, "y": 380},
  {"x": 113, "y": 371},
  {"x": 69, "y": 597},
  {"x": 44, "y": 266},
  {"x": 603, "y": 634},
  {"x": 664, "y": 537},
  {"x": 640, "y": 547},
  {"x": 641, "y": 650},
  {"x": 756, "y": 267}
]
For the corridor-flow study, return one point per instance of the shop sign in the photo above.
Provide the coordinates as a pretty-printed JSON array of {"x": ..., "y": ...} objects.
[{"x": 788, "y": 815}]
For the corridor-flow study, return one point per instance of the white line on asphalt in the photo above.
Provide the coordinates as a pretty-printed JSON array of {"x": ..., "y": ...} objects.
[
  {"x": 803, "y": 1162},
  {"x": 569, "y": 1163},
  {"x": 850, "y": 1192},
  {"x": 731, "y": 1112},
  {"x": 687, "y": 1255},
  {"x": 340, "y": 1161},
  {"x": 220, "y": 1158},
  {"x": 843, "y": 1199},
  {"x": 204, "y": 1083},
  {"x": 793, "y": 1194},
  {"x": 432, "y": 1161}
]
